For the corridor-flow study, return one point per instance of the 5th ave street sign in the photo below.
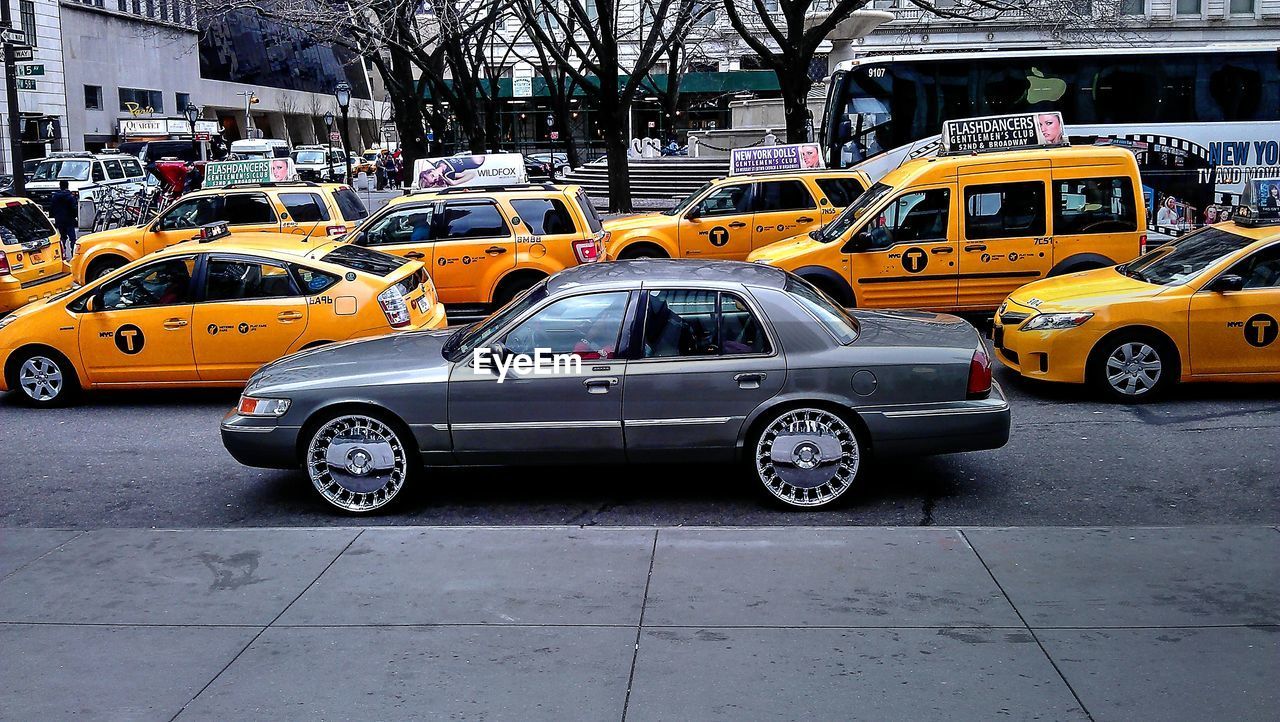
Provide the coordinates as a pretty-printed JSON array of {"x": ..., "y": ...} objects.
[{"x": 30, "y": 70}]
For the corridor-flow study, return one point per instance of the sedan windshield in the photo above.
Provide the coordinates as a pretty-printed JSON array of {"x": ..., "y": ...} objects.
[
  {"x": 850, "y": 215},
  {"x": 465, "y": 339},
  {"x": 683, "y": 205},
  {"x": 1182, "y": 260},
  {"x": 62, "y": 170}
]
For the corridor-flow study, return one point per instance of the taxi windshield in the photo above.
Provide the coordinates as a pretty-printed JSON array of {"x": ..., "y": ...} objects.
[
  {"x": 62, "y": 170},
  {"x": 467, "y": 338},
  {"x": 689, "y": 200},
  {"x": 1182, "y": 260},
  {"x": 850, "y": 215}
]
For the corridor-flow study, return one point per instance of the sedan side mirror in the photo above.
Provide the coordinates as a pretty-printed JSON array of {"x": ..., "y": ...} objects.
[
  {"x": 1229, "y": 282},
  {"x": 498, "y": 351},
  {"x": 859, "y": 242}
]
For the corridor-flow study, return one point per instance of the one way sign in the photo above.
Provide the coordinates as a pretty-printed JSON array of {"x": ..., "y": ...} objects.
[
  {"x": 21, "y": 54},
  {"x": 13, "y": 36}
]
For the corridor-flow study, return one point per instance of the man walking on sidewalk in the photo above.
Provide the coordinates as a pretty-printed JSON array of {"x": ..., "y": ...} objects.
[{"x": 64, "y": 206}]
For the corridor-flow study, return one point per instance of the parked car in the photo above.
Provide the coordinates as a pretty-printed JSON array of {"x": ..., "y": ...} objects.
[
  {"x": 85, "y": 173},
  {"x": 704, "y": 361},
  {"x": 559, "y": 161}
]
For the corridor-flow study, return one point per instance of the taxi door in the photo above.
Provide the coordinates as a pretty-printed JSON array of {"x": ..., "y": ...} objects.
[
  {"x": 179, "y": 222},
  {"x": 908, "y": 254},
  {"x": 783, "y": 208},
  {"x": 473, "y": 247},
  {"x": 250, "y": 312},
  {"x": 1004, "y": 241},
  {"x": 140, "y": 328},
  {"x": 719, "y": 225},
  {"x": 1238, "y": 332}
]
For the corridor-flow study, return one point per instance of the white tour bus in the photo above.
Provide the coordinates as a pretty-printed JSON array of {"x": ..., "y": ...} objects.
[{"x": 1203, "y": 121}]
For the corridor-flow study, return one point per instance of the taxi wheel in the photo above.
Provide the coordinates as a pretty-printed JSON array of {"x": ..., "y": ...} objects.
[
  {"x": 103, "y": 267},
  {"x": 359, "y": 462},
  {"x": 807, "y": 457},
  {"x": 641, "y": 250},
  {"x": 1133, "y": 366},
  {"x": 43, "y": 377}
]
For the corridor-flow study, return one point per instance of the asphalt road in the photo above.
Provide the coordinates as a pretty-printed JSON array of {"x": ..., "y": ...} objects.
[{"x": 1208, "y": 455}]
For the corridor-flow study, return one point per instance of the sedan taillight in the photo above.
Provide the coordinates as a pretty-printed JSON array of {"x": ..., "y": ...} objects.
[
  {"x": 979, "y": 375},
  {"x": 394, "y": 306}
]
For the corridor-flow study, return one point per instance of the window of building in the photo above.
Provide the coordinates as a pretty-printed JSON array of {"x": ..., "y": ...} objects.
[
  {"x": 141, "y": 99},
  {"x": 1241, "y": 7},
  {"x": 1005, "y": 210},
  {"x": 183, "y": 100},
  {"x": 27, "y": 14},
  {"x": 164, "y": 10},
  {"x": 93, "y": 97},
  {"x": 122, "y": 5},
  {"x": 1133, "y": 7},
  {"x": 1188, "y": 7}
]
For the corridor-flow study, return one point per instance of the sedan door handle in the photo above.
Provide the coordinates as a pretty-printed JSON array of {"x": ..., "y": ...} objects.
[
  {"x": 749, "y": 380},
  {"x": 414, "y": 255},
  {"x": 174, "y": 324},
  {"x": 599, "y": 384},
  {"x": 975, "y": 247},
  {"x": 495, "y": 250},
  {"x": 804, "y": 219},
  {"x": 737, "y": 224},
  {"x": 288, "y": 316},
  {"x": 940, "y": 249}
]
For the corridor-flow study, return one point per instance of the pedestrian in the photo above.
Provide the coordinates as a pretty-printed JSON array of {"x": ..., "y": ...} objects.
[
  {"x": 380, "y": 170},
  {"x": 399, "y": 163},
  {"x": 64, "y": 205},
  {"x": 194, "y": 179}
]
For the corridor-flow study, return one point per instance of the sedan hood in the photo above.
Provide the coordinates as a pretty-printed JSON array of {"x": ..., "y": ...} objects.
[
  {"x": 915, "y": 328},
  {"x": 395, "y": 358}
]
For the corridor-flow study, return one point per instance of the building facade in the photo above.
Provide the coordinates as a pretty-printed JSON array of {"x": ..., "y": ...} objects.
[{"x": 42, "y": 100}]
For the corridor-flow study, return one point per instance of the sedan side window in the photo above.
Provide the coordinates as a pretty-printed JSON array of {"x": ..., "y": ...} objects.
[
  {"x": 912, "y": 217},
  {"x": 411, "y": 225},
  {"x": 726, "y": 201},
  {"x": 237, "y": 280},
  {"x": 190, "y": 213},
  {"x": 690, "y": 323},
  {"x": 156, "y": 284},
  {"x": 587, "y": 326}
]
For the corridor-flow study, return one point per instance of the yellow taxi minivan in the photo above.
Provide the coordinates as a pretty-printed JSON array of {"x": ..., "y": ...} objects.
[
  {"x": 31, "y": 263},
  {"x": 298, "y": 207},
  {"x": 485, "y": 245},
  {"x": 728, "y": 217},
  {"x": 209, "y": 314},
  {"x": 960, "y": 232},
  {"x": 1204, "y": 307}
]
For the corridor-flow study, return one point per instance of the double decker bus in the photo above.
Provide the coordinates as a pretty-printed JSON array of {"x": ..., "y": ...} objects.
[{"x": 1202, "y": 121}]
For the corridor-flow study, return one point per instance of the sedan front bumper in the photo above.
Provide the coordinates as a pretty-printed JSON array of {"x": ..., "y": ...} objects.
[
  {"x": 259, "y": 442},
  {"x": 939, "y": 428}
]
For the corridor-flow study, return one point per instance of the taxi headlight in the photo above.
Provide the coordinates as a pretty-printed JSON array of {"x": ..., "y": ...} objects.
[
  {"x": 251, "y": 406},
  {"x": 7, "y": 320},
  {"x": 1055, "y": 321}
]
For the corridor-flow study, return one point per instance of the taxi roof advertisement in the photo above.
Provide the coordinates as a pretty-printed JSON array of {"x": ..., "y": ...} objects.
[
  {"x": 1003, "y": 132},
  {"x": 261, "y": 170},
  {"x": 469, "y": 170},
  {"x": 775, "y": 159}
]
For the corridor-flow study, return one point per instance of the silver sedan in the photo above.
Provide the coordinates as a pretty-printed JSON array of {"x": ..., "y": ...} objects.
[{"x": 631, "y": 362}]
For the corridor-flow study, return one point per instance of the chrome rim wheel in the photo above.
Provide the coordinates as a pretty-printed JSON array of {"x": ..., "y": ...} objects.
[
  {"x": 807, "y": 457},
  {"x": 357, "y": 463},
  {"x": 1134, "y": 368},
  {"x": 40, "y": 378}
]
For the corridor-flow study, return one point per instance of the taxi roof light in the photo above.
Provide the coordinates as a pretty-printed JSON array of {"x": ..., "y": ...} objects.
[{"x": 214, "y": 231}]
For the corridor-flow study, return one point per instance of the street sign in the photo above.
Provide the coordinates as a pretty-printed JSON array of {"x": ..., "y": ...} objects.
[
  {"x": 335, "y": 136},
  {"x": 26, "y": 84},
  {"x": 555, "y": 135},
  {"x": 202, "y": 137},
  {"x": 521, "y": 87},
  {"x": 20, "y": 54},
  {"x": 30, "y": 70},
  {"x": 13, "y": 36}
]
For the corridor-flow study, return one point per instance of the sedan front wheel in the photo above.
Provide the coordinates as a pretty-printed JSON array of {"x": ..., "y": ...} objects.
[
  {"x": 807, "y": 457},
  {"x": 358, "y": 463}
]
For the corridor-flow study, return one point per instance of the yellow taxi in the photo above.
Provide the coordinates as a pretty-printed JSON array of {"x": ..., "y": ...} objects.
[
  {"x": 209, "y": 313},
  {"x": 486, "y": 244},
  {"x": 31, "y": 264},
  {"x": 728, "y": 217},
  {"x": 960, "y": 232},
  {"x": 299, "y": 207},
  {"x": 1205, "y": 307}
]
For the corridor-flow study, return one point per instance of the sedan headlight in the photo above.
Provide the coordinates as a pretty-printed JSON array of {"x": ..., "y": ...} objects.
[
  {"x": 250, "y": 406},
  {"x": 1055, "y": 321}
]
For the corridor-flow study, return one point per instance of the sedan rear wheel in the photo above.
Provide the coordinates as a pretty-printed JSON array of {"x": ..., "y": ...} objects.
[
  {"x": 358, "y": 463},
  {"x": 807, "y": 457}
]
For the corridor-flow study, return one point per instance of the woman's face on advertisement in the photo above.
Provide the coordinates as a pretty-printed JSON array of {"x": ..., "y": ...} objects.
[
  {"x": 1050, "y": 128},
  {"x": 809, "y": 157}
]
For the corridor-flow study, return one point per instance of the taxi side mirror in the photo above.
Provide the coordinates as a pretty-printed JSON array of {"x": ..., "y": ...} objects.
[
  {"x": 693, "y": 214},
  {"x": 1229, "y": 282},
  {"x": 93, "y": 303},
  {"x": 860, "y": 241}
]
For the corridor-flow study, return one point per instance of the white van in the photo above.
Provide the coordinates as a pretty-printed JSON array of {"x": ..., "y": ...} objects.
[
  {"x": 319, "y": 163},
  {"x": 85, "y": 174},
  {"x": 259, "y": 148}
]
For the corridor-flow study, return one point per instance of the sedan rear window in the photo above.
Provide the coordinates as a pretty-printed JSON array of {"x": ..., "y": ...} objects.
[
  {"x": 834, "y": 318},
  {"x": 364, "y": 259},
  {"x": 22, "y": 223},
  {"x": 350, "y": 206}
]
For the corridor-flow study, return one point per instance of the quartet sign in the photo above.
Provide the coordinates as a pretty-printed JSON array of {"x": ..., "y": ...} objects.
[{"x": 1003, "y": 132}]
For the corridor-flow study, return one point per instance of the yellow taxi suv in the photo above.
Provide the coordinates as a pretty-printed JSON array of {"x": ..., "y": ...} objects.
[
  {"x": 301, "y": 208},
  {"x": 209, "y": 314},
  {"x": 1205, "y": 307},
  {"x": 728, "y": 217},
  {"x": 31, "y": 264},
  {"x": 960, "y": 232},
  {"x": 487, "y": 244}
]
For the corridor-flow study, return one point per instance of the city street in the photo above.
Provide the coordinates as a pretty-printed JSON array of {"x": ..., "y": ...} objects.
[{"x": 1207, "y": 455}]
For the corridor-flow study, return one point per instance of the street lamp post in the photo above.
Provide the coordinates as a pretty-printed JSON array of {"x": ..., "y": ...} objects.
[
  {"x": 249, "y": 100},
  {"x": 328, "y": 134},
  {"x": 192, "y": 112},
  {"x": 343, "y": 93}
]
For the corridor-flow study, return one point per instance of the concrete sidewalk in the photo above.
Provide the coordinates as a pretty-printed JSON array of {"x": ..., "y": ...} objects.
[{"x": 641, "y": 623}]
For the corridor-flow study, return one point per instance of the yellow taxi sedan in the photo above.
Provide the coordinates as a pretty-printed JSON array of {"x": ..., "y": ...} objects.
[
  {"x": 209, "y": 313},
  {"x": 1203, "y": 308}
]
